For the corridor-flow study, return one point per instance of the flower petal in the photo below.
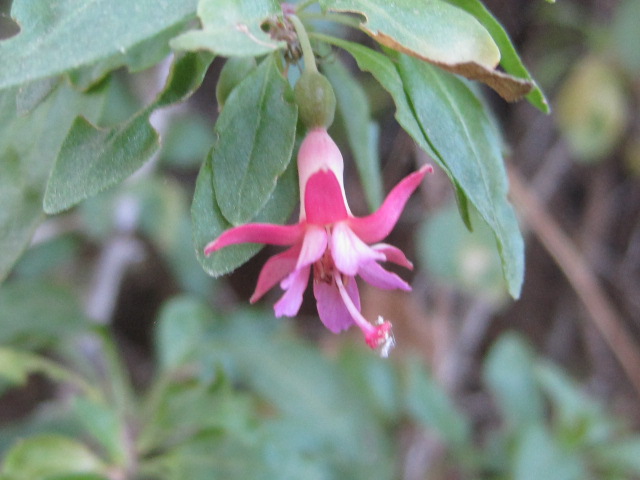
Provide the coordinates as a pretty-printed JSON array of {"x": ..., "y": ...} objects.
[
  {"x": 372, "y": 273},
  {"x": 348, "y": 251},
  {"x": 393, "y": 254},
  {"x": 266, "y": 233},
  {"x": 313, "y": 245},
  {"x": 274, "y": 270},
  {"x": 331, "y": 308},
  {"x": 295, "y": 285},
  {"x": 324, "y": 200},
  {"x": 379, "y": 224}
]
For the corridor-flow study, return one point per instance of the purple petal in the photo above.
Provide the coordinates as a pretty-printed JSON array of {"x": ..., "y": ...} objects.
[
  {"x": 274, "y": 270},
  {"x": 374, "y": 274},
  {"x": 331, "y": 308},
  {"x": 379, "y": 224},
  {"x": 324, "y": 201},
  {"x": 266, "y": 233},
  {"x": 393, "y": 254},
  {"x": 313, "y": 245},
  {"x": 295, "y": 285},
  {"x": 348, "y": 251}
]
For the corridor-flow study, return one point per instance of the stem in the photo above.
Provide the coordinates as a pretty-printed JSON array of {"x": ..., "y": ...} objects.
[
  {"x": 307, "y": 52},
  {"x": 362, "y": 322}
]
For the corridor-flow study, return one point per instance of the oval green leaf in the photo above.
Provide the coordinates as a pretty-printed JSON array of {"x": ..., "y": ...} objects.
[{"x": 256, "y": 132}]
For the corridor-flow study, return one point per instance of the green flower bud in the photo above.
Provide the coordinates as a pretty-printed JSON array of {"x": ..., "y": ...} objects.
[
  {"x": 233, "y": 72},
  {"x": 315, "y": 99}
]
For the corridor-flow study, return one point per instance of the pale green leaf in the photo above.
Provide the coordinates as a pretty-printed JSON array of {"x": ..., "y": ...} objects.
[
  {"x": 439, "y": 33},
  {"x": 469, "y": 260},
  {"x": 362, "y": 133},
  {"x": 28, "y": 145},
  {"x": 509, "y": 58},
  {"x": 592, "y": 107},
  {"x": 429, "y": 404},
  {"x": 256, "y": 133},
  {"x": 92, "y": 159},
  {"x": 47, "y": 456},
  {"x": 231, "y": 28},
  {"x": 508, "y": 371},
  {"x": 455, "y": 123},
  {"x": 59, "y": 36},
  {"x": 539, "y": 455},
  {"x": 34, "y": 314},
  {"x": 16, "y": 366}
]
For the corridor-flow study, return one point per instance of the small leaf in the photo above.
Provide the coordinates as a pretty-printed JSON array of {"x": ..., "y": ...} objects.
[
  {"x": 35, "y": 314},
  {"x": 509, "y": 60},
  {"x": 231, "y": 28},
  {"x": 16, "y": 366},
  {"x": 105, "y": 427},
  {"x": 428, "y": 403},
  {"x": 509, "y": 374},
  {"x": 256, "y": 133},
  {"x": 209, "y": 223},
  {"x": 45, "y": 456},
  {"x": 180, "y": 327},
  {"x": 92, "y": 159},
  {"x": 28, "y": 145},
  {"x": 362, "y": 133},
  {"x": 439, "y": 33},
  {"x": 456, "y": 125},
  {"x": 467, "y": 259},
  {"x": 592, "y": 109},
  {"x": 539, "y": 455},
  {"x": 56, "y": 37}
]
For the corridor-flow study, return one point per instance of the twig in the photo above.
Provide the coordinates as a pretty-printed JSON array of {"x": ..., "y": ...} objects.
[{"x": 580, "y": 276}]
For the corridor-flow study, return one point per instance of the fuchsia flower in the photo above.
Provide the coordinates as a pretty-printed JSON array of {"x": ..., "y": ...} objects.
[{"x": 337, "y": 244}]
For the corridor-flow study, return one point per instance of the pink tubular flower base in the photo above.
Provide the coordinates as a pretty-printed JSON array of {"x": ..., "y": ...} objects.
[{"x": 331, "y": 241}]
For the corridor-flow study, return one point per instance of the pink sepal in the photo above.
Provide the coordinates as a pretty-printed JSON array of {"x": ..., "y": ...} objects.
[{"x": 378, "y": 225}]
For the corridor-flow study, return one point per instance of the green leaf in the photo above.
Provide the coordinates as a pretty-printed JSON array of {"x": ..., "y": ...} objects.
[
  {"x": 232, "y": 28},
  {"x": 439, "y": 33},
  {"x": 539, "y": 455},
  {"x": 208, "y": 221},
  {"x": 467, "y": 259},
  {"x": 508, "y": 371},
  {"x": 140, "y": 57},
  {"x": 620, "y": 456},
  {"x": 46, "y": 457},
  {"x": 92, "y": 159},
  {"x": 509, "y": 58},
  {"x": 179, "y": 329},
  {"x": 256, "y": 134},
  {"x": 28, "y": 145},
  {"x": 427, "y": 402},
  {"x": 59, "y": 36},
  {"x": 456, "y": 125},
  {"x": 105, "y": 427},
  {"x": 36, "y": 314},
  {"x": 16, "y": 366},
  {"x": 362, "y": 133}
]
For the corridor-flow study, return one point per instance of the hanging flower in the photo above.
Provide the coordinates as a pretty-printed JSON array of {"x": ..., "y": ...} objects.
[{"x": 332, "y": 242}]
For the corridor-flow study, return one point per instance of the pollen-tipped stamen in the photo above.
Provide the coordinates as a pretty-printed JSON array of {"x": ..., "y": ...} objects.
[{"x": 379, "y": 336}]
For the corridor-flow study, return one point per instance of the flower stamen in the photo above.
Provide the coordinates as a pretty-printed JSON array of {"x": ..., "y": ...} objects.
[{"x": 379, "y": 337}]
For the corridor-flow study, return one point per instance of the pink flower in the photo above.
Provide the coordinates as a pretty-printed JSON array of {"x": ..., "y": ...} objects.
[{"x": 330, "y": 239}]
